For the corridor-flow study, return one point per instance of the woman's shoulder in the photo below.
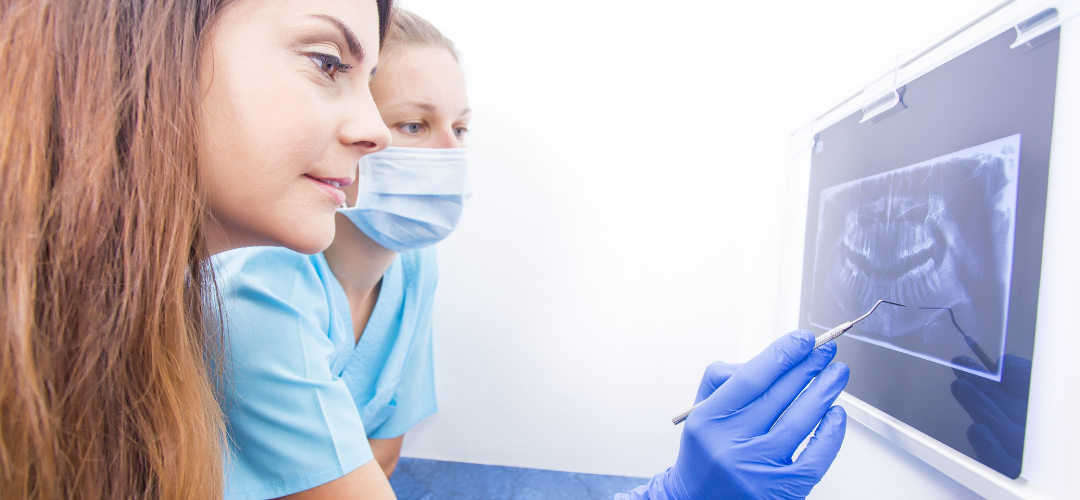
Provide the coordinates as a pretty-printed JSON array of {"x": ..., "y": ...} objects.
[
  {"x": 271, "y": 269},
  {"x": 253, "y": 259},
  {"x": 420, "y": 270},
  {"x": 421, "y": 262},
  {"x": 259, "y": 283}
]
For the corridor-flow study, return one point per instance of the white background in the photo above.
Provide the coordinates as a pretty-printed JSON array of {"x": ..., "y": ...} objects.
[{"x": 628, "y": 163}]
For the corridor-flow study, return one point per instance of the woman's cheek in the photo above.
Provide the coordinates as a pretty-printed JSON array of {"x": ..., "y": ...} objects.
[
  {"x": 401, "y": 139},
  {"x": 302, "y": 145}
]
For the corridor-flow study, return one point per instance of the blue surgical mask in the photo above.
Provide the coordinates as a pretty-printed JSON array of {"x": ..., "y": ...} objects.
[{"x": 410, "y": 197}]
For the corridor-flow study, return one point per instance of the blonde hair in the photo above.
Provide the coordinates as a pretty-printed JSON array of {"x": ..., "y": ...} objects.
[{"x": 410, "y": 30}]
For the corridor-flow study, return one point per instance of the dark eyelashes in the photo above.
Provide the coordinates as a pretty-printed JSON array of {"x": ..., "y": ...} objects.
[{"x": 330, "y": 64}]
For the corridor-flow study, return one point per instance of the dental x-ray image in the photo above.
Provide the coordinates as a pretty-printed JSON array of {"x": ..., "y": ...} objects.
[{"x": 936, "y": 236}]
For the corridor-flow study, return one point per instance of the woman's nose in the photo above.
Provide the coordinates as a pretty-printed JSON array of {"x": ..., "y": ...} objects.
[
  {"x": 446, "y": 138},
  {"x": 364, "y": 127}
]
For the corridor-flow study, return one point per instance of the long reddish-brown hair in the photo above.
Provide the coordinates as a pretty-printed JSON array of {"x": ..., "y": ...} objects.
[{"x": 104, "y": 385}]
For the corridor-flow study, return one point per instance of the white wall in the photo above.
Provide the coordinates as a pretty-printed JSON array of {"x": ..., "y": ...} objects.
[{"x": 628, "y": 170}]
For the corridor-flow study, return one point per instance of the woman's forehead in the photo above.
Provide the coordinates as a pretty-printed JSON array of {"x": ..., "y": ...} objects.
[
  {"x": 357, "y": 18},
  {"x": 421, "y": 77}
]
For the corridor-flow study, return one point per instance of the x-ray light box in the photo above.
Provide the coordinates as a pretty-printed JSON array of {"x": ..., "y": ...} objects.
[{"x": 930, "y": 189}]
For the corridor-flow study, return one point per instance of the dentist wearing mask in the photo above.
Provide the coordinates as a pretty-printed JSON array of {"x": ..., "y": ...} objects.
[{"x": 331, "y": 353}]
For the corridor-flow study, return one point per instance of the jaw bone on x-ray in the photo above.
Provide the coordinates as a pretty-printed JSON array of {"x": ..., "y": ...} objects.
[{"x": 937, "y": 236}]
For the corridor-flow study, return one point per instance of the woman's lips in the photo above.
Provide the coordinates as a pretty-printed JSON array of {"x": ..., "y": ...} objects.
[{"x": 331, "y": 186}]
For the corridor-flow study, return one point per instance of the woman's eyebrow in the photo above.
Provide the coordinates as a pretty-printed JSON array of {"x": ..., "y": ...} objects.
[{"x": 350, "y": 38}]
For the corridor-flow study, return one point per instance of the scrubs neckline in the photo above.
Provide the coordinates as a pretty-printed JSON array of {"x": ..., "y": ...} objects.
[{"x": 382, "y": 313}]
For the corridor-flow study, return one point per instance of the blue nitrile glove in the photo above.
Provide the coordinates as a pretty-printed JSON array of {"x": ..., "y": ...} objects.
[
  {"x": 737, "y": 444},
  {"x": 999, "y": 411}
]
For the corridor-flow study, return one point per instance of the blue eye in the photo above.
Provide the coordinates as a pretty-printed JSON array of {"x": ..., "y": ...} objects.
[
  {"x": 329, "y": 64},
  {"x": 460, "y": 132},
  {"x": 411, "y": 128}
]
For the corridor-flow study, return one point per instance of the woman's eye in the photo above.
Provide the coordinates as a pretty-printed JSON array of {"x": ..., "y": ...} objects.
[
  {"x": 412, "y": 128},
  {"x": 329, "y": 64},
  {"x": 460, "y": 132}
]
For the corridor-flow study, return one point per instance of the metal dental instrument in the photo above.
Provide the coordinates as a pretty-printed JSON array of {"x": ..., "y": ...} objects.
[
  {"x": 840, "y": 330},
  {"x": 818, "y": 342}
]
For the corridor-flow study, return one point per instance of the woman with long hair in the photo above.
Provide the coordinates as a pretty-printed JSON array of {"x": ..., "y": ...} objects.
[{"x": 137, "y": 138}]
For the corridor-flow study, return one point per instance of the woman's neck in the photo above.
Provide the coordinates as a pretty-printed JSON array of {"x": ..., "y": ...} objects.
[{"x": 359, "y": 264}]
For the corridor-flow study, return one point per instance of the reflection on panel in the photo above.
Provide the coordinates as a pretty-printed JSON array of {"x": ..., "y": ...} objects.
[
  {"x": 936, "y": 236},
  {"x": 998, "y": 409}
]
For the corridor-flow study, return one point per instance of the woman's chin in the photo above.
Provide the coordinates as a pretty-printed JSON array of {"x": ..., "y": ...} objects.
[
  {"x": 311, "y": 244},
  {"x": 310, "y": 238}
]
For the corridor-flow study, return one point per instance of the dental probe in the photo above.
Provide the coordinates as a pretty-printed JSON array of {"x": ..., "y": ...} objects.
[
  {"x": 818, "y": 342},
  {"x": 840, "y": 330}
]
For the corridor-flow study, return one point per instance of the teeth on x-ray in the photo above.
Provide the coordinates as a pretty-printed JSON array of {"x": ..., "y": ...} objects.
[{"x": 937, "y": 234}]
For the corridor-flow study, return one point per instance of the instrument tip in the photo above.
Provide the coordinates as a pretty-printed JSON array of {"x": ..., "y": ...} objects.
[{"x": 872, "y": 309}]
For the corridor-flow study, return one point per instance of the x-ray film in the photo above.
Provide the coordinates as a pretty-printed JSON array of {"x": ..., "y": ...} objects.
[
  {"x": 939, "y": 205},
  {"x": 936, "y": 236}
]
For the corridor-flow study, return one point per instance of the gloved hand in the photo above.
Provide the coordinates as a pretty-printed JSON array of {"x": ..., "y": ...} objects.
[
  {"x": 737, "y": 444},
  {"x": 999, "y": 411},
  {"x": 715, "y": 376}
]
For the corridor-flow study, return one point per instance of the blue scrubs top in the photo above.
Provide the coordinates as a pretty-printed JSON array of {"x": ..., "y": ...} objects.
[{"x": 304, "y": 397}]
